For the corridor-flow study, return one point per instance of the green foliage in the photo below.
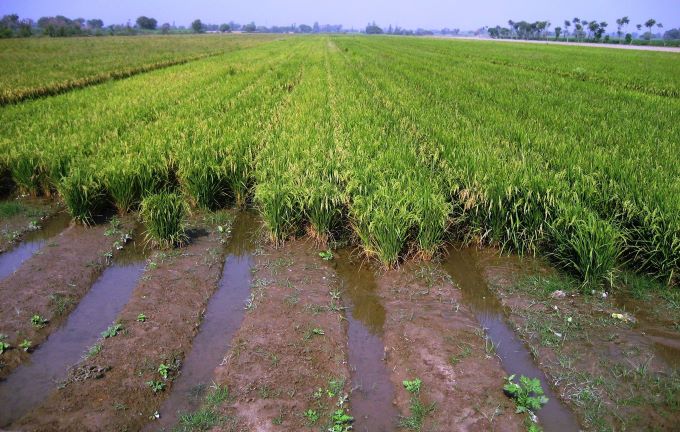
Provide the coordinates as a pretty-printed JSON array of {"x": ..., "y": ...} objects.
[
  {"x": 141, "y": 318},
  {"x": 528, "y": 394},
  {"x": 38, "y": 321},
  {"x": 341, "y": 421},
  {"x": 412, "y": 386},
  {"x": 4, "y": 345},
  {"x": 326, "y": 255},
  {"x": 25, "y": 345},
  {"x": 312, "y": 416},
  {"x": 112, "y": 331},
  {"x": 83, "y": 195},
  {"x": 11, "y": 208},
  {"x": 156, "y": 386},
  {"x": 164, "y": 215}
]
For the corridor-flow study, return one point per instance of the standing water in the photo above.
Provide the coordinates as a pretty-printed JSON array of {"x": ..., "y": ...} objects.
[
  {"x": 462, "y": 265},
  {"x": 33, "y": 241},
  {"x": 33, "y": 381},
  {"x": 222, "y": 319},
  {"x": 371, "y": 402}
]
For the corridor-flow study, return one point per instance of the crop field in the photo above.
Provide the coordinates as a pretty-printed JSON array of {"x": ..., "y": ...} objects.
[{"x": 554, "y": 169}]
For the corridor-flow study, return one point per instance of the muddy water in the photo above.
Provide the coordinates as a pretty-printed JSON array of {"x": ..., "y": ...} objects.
[
  {"x": 463, "y": 266},
  {"x": 666, "y": 342},
  {"x": 371, "y": 401},
  {"x": 33, "y": 241},
  {"x": 33, "y": 381},
  {"x": 223, "y": 317}
]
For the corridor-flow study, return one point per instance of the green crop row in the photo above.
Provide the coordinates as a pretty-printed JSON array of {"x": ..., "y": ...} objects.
[{"x": 404, "y": 143}]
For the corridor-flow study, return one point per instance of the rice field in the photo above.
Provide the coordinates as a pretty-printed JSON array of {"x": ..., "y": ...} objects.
[
  {"x": 337, "y": 233},
  {"x": 403, "y": 143}
]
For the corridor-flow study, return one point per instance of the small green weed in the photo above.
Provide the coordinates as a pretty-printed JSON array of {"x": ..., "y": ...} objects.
[
  {"x": 156, "y": 386},
  {"x": 141, "y": 318},
  {"x": 25, "y": 345},
  {"x": 528, "y": 394},
  {"x": 312, "y": 416},
  {"x": 4, "y": 345},
  {"x": 326, "y": 255},
  {"x": 113, "y": 330},
  {"x": 38, "y": 321}
]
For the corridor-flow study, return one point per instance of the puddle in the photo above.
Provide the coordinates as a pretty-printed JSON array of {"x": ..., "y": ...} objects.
[
  {"x": 665, "y": 342},
  {"x": 32, "y": 242},
  {"x": 463, "y": 266},
  {"x": 223, "y": 317},
  {"x": 34, "y": 380},
  {"x": 371, "y": 401}
]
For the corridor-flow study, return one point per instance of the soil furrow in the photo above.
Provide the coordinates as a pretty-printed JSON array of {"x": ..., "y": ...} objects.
[
  {"x": 122, "y": 386},
  {"x": 49, "y": 285},
  {"x": 287, "y": 367},
  {"x": 431, "y": 336}
]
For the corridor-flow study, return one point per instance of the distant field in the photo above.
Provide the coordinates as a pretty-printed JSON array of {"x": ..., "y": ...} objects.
[
  {"x": 34, "y": 66},
  {"x": 563, "y": 151}
]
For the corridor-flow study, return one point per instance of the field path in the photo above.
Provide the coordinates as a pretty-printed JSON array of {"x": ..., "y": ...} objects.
[{"x": 582, "y": 44}]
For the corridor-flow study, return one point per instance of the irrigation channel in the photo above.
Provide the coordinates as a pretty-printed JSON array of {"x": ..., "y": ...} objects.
[
  {"x": 32, "y": 382},
  {"x": 223, "y": 317},
  {"x": 371, "y": 400},
  {"x": 32, "y": 243},
  {"x": 463, "y": 266}
]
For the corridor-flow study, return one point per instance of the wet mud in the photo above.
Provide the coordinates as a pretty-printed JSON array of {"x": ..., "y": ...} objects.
[
  {"x": 223, "y": 316},
  {"x": 462, "y": 265},
  {"x": 111, "y": 390},
  {"x": 289, "y": 356},
  {"x": 48, "y": 365},
  {"x": 372, "y": 391},
  {"x": 32, "y": 242},
  {"x": 50, "y": 284},
  {"x": 431, "y": 335}
]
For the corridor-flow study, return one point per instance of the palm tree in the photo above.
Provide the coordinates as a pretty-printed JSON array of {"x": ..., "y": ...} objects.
[
  {"x": 649, "y": 24},
  {"x": 619, "y": 24},
  {"x": 567, "y": 24},
  {"x": 511, "y": 23},
  {"x": 660, "y": 26}
]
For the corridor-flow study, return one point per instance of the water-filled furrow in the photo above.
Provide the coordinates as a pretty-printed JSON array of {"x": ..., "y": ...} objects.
[
  {"x": 463, "y": 266},
  {"x": 371, "y": 399},
  {"x": 223, "y": 317},
  {"x": 34, "y": 380},
  {"x": 33, "y": 242}
]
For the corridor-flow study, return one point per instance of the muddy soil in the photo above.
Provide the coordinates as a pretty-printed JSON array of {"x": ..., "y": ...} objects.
[
  {"x": 32, "y": 214},
  {"x": 50, "y": 284},
  {"x": 431, "y": 335},
  {"x": 612, "y": 371},
  {"x": 111, "y": 390},
  {"x": 290, "y": 355}
]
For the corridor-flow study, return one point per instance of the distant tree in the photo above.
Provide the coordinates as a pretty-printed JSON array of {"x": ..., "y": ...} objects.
[
  {"x": 25, "y": 28},
  {"x": 249, "y": 28},
  {"x": 558, "y": 31},
  {"x": 197, "y": 26},
  {"x": 315, "y": 27},
  {"x": 593, "y": 27},
  {"x": 629, "y": 38},
  {"x": 224, "y": 28},
  {"x": 567, "y": 24},
  {"x": 95, "y": 24},
  {"x": 672, "y": 34},
  {"x": 165, "y": 28},
  {"x": 304, "y": 28},
  {"x": 146, "y": 23},
  {"x": 621, "y": 23},
  {"x": 373, "y": 29},
  {"x": 601, "y": 28},
  {"x": 649, "y": 24}
]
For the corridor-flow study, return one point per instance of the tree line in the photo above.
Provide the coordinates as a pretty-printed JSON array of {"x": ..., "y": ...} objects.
[{"x": 583, "y": 31}]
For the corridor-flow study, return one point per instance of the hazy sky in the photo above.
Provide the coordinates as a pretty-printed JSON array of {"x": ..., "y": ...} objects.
[{"x": 465, "y": 15}]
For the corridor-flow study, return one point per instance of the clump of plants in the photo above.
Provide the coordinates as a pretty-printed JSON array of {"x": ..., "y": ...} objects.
[
  {"x": 4, "y": 345},
  {"x": 419, "y": 410},
  {"x": 38, "y": 321},
  {"x": 528, "y": 394},
  {"x": 83, "y": 195},
  {"x": 112, "y": 331},
  {"x": 164, "y": 215}
]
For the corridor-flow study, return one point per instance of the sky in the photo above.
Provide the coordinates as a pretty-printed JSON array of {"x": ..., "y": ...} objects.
[{"x": 430, "y": 14}]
